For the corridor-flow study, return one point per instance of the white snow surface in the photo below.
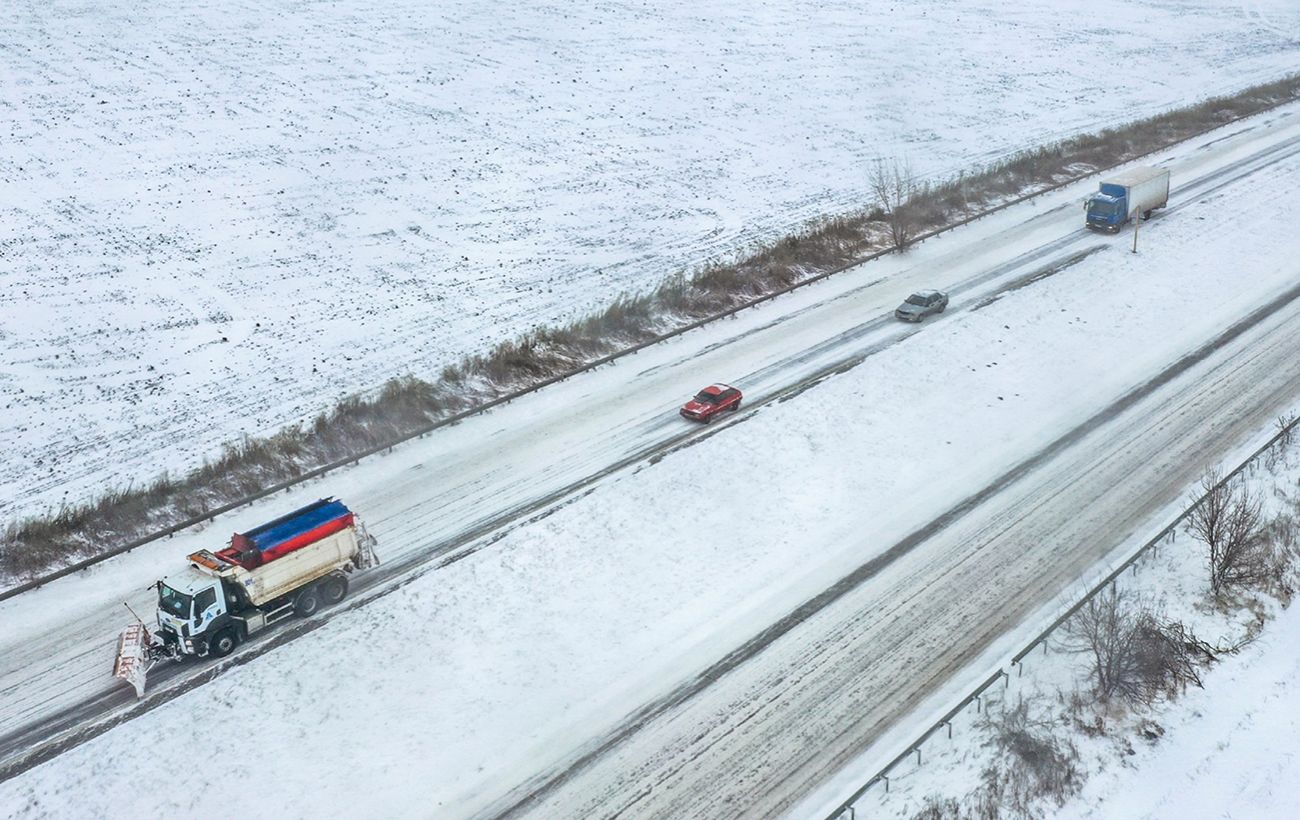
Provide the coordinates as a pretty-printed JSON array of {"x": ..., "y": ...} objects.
[
  {"x": 464, "y": 681},
  {"x": 1227, "y": 750},
  {"x": 1231, "y": 751},
  {"x": 216, "y": 218}
]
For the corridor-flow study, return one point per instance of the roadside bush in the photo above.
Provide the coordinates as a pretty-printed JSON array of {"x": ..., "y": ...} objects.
[
  {"x": 1134, "y": 654},
  {"x": 1228, "y": 519},
  {"x": 1039, "y": 767},
  {"x": 939, "y": 808},
  {"x": 1036, "y": 770}
]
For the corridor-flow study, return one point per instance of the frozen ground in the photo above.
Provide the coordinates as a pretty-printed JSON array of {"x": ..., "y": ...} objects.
[
  {"x": 468, "y": 681},
  {"x": 1227, "y": 750},
  {"x": 217, "y": 217}
]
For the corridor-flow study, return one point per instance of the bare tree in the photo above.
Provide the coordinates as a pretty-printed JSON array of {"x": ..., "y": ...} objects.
[
  {"x": 1106, "y": 628},
  {"x": 1136, "y": 655},
  {"x": 894, "y": 187},
  {"x": 1228, "y": 519},
  {"x": 1285, "y": 434}
]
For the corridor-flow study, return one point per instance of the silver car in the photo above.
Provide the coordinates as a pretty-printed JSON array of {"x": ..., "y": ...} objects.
[{"x": 921, "y": 304}]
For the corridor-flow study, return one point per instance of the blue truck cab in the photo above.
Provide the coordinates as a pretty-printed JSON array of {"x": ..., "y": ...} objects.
[{"x": 1108, "y": 208}]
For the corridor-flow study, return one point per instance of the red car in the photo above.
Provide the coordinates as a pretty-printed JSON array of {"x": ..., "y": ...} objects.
[{"x": 712, "y": 400}]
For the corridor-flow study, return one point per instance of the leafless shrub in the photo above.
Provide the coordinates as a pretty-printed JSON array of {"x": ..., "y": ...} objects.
[
  {"x": 1037, "y": 766},
  {"x": 1134, "y": 654},
  {"x": 1106, "y": 628},
  {"x": 1035, "y": 769},
  {"x": 1228, "y": 519},
  {"x": 1285, "y": 434},
  {"x": 939, "y": 808},
  {"x": 894, "y": 189},
  {"x": 1169, "y": 658},
  {"x": 1286, "y": 424}
]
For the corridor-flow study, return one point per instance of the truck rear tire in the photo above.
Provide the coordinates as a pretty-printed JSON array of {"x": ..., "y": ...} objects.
[
  {"x": 223, "y": 643},
  {"x": 333, "y": 589},
  {"x": 307, "y": 603}
]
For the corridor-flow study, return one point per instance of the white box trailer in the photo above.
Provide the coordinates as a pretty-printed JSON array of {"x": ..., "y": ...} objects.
[
  {"x": 293, "y": 565},
  {"x": 1142, "y": 189}
]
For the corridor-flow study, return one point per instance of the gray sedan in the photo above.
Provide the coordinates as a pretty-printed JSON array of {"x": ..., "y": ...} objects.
[{"x": 921, "y": 304}]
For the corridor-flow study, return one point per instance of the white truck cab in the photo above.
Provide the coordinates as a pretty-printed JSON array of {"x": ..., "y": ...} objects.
[{"x": 188, "y": 605}]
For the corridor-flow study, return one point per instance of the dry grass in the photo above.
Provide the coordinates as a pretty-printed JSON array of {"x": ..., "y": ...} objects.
[{"x": 357, "y": 424}]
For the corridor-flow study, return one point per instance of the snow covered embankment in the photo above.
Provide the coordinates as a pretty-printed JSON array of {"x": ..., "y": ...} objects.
[{"x": 1046, "y": 744}]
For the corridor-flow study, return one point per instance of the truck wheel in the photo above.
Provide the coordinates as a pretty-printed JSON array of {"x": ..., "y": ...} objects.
[
  {"x": 306, "y": 604},
  {"x": 332, "y": 589},
  {"x": 223, "y": 644}
]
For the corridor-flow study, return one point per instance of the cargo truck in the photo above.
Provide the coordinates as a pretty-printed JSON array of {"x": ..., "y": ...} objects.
[
  {"x": 293, "y": 565},
  {"x": 1118, "y": 199}
]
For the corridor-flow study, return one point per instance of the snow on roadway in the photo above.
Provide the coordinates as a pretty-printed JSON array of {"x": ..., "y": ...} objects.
[
  {"x": 1225, "y": 750},
  {"x": 215, "y": 218},
  {"x": 444, "y": 694}
]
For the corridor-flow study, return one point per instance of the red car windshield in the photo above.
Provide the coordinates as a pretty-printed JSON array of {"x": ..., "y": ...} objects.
[{"x": 706, "y": 398}]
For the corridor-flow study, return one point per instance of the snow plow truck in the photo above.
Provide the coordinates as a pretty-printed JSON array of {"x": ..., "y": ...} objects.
[{"x": 293, "y": 565}]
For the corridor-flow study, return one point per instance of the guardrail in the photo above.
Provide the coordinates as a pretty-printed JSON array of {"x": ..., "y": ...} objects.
[
  {"x": 424, "y": 430},
  {"x": 1168, "y": 533}
]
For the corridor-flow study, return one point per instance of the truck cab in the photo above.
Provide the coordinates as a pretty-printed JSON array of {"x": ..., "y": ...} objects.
[
  {"x": 192, "y": 609},
  {"x": 1107, "y": 210}
]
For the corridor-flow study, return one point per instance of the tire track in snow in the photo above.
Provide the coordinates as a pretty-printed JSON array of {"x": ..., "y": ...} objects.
[{"x": 539, "y": 789}]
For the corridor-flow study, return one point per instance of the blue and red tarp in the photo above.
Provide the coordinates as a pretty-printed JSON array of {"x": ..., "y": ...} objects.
[{"x": 288, "y": 533}]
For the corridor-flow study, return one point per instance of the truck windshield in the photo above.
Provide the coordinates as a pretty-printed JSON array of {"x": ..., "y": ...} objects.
[
  {"x": 173, "y": 602},
  {"x": 1106, "y": 209}
]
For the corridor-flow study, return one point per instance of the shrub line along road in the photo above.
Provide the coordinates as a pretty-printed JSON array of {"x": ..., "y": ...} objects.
[{"x": 494, "y": 472}]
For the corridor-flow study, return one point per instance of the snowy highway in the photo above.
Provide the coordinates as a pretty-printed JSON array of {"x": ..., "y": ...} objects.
[
  {"x": 807, "y": 673},
  {"x": 803, "y": 697}
]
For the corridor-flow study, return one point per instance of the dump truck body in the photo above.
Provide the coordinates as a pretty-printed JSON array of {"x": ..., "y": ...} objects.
[{"x": 266, "y": 582}]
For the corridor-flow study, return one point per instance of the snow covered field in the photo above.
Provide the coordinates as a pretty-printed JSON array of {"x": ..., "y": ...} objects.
[
  {"x": 215, "y": 218},
  {"x": 528, "y": 649}
]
